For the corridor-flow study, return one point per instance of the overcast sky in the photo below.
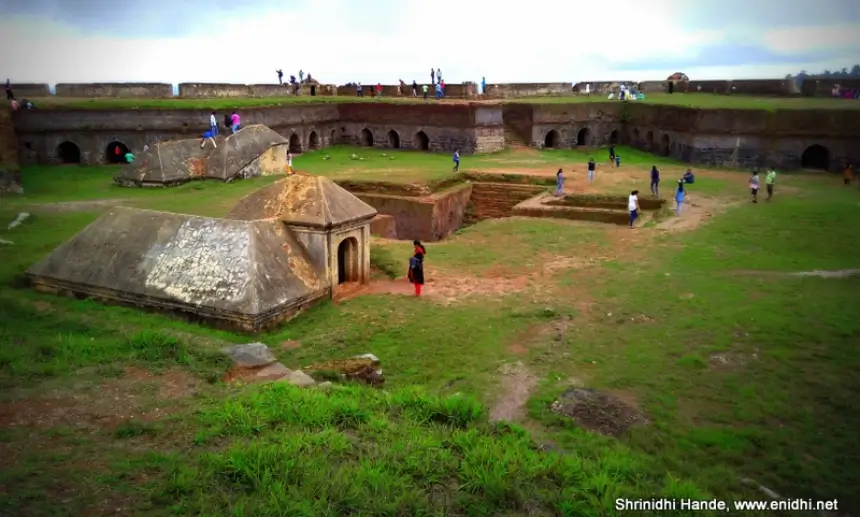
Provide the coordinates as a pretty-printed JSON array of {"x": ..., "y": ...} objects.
[{"x": 385, "y": 40}]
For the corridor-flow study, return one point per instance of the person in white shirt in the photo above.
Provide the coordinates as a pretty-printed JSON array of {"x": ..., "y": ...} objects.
[
  {"x": 289, "y": 162},
  {"x": 633, "y": 207},
  {"x": 213, "y": 124}
]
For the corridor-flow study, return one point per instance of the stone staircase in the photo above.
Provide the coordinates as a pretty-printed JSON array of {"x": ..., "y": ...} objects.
[
  {"x": 493, "y": 200},
  {"x": 513, "y": 138}
]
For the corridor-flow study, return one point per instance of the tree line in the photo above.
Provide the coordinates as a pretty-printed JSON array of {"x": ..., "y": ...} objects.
[{"x": 853, "y": 72}]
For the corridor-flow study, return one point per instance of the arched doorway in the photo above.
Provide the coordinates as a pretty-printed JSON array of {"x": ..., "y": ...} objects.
[
  {"x": 295, "y": 144},
  {"x": 313, "y": 140},
  {"x": 366, "y": 138},
  {"x": 421, "y": 141},
  {"x": 332, "y": 137},
  {"x": 115, "y": 152},
  {"x": 613, "y": 138},
  {"x": 665, "y": 146},
  {"x": 634, "y": 136},
  {"x": 649, "y": 140},
  {"x": 582, "y": 136},
  {"x": 816, "y": 157},
  {"x": 347, "y": 260},
  {"x": 393, "y": 139},
  {"x": 552, "y": 139},
  {"x": 69, "y": 152}
]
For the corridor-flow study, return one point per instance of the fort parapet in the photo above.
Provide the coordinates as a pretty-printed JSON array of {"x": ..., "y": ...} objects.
[{"x": 767, "y": 87}]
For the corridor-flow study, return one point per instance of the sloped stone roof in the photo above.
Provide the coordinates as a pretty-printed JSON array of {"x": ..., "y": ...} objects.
[
  {"x": 303, "y": 200},
  {"x": 250, "y": 272},
  {"x": 177, "y": 161}
]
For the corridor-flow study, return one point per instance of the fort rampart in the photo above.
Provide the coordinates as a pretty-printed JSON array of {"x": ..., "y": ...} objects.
[
  {"x": 770, "y": 87},
  {"x": 787, "y": 139}
]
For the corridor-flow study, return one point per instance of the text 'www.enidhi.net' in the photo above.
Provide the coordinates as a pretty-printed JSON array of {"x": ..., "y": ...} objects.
[{"x": 688, "y": 505}]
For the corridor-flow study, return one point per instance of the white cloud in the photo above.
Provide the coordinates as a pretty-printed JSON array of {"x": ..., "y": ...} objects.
[
  {"x": 798, "y": 40},
  {"x": 556, "y": 40}
]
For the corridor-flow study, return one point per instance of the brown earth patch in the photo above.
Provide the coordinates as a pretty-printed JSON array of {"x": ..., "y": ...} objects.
[
  {"x": 443, "y": 289},
  {"x": 606, "y": 413},
  {"x": 103, "y": 406},
  {"x": 517, "y": 383},
  {"x": 290, "y": 344}
]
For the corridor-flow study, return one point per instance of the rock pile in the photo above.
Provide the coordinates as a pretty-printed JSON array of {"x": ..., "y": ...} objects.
[{"x": 255, "y": 362}]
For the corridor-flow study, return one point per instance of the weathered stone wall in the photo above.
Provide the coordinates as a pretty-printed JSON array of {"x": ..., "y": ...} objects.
[
  {"x": 587, "y": 124},
  {"x": 41, "y": 132},
  {"x": 30, "y": 90},
  {"x": 428, "y": 219},
  {"x": 449, "y": 210},
  {"x": 824, "y": 87},
  {"x": 460, "y": 91},
  {"x": 125, "y": 90},
  {"x": 469, "y": 127},
  {"x": 10, "y": 172},
  {"x": 744, "y": 138},
  {"x": 514, "y": 90},
  {"x": 232, "y": 91},
  {"x": 601, "y": 87}
]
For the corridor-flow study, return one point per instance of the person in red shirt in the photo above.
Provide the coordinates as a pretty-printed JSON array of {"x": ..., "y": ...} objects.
[
  {"x": 378, "y": 90},
  {"x": 442, "y": 84}
]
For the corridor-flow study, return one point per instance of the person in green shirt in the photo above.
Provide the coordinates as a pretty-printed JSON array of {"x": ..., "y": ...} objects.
[
  {"x": 768, "y": 181},
  {"x": 129, "y": 157},
  {"x": 424, "y": 90}
]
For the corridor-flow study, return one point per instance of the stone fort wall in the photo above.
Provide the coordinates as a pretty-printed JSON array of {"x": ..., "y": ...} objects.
[
  {"x": 773, "y": 87},
  {"x": 737, "y": 138}
]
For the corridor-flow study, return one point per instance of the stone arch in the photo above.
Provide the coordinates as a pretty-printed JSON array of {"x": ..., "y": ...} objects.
[
  {"x": 665, "y": 146},
  {"x": 366, "y": 138},
  {"x": 613, "y": 137},
  {"x": 634, "y": 135},
  {"x": 649, "y": 140},
  {"x": 313, "y": 140},
  {"x": 393, "y": 139},
  {"x": 583, "y": 136},
  {"x": 552, "y": 139},
  {"x": 115, "y": 152},
  {"x": 347, "y": 261},
  {"x": 295, "y": 144},
  {"x": 421, "y": 141},
  {"x": 333, "y": 137},
  {"x": 816, "y": 157},
  {"x": 69, "y": 152}
]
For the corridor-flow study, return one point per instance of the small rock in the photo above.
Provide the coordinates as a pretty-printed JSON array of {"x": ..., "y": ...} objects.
[
  {"x": 324, "y": 386},
  {"x": 300, "y": 379},
  {"x": 274, "y": 371},
  {"x": 17, "y": 222},
  {"x": 4, "y": 241},
  {"x": 250, "y": 355}
]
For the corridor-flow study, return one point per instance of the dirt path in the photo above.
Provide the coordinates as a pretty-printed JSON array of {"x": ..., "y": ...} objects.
[
  {"x": 517, "y": 384},
  {"x": 76, "y": 206}
]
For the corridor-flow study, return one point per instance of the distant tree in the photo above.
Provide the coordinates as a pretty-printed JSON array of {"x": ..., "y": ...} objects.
[{"x": 845, "y": 72}]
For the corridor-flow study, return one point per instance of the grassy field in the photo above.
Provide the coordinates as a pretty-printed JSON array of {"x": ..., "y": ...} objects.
[
  {"x": 693, "y": 100},
  {"x": 52, "y": 184},
  {"x": 740, "y": 369}
]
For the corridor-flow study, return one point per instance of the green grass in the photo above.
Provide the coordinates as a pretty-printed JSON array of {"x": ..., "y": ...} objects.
[
  {"x": 781, "y": 411},
  {"x": 693, "y": 100}
]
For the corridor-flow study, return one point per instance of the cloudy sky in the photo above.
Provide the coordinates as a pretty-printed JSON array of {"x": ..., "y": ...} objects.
[{"x": 385, "y": 40}]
